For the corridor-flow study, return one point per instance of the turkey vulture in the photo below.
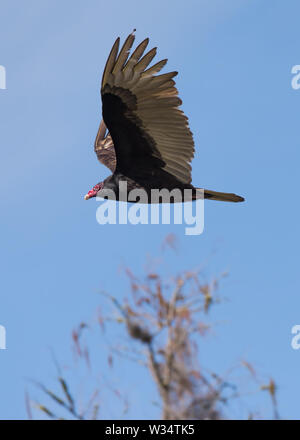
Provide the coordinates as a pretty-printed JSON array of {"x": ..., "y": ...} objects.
[{"x": 144, "y": 138}]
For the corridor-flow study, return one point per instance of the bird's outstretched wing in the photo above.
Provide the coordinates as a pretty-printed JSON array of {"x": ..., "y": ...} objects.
[
  {"x": 141, "y": 112},
  {"x": 104, "y": 148}
]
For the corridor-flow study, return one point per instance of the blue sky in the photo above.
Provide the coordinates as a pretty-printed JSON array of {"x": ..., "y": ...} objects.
[{"x": 234, "y": 59}]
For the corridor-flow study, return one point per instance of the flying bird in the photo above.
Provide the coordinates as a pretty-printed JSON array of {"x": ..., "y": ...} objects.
[{"x": 144, "y": 137}]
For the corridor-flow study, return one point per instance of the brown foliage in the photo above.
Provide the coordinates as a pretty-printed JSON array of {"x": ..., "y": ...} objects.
[{"x": 167, "y": 319}]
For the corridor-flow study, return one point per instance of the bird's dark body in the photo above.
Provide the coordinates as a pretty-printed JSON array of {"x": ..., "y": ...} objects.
[{"x": 159, "y": 180}]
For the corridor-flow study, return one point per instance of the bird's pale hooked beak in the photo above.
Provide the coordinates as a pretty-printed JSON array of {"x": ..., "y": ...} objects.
[{"x": 92, "y": 193}]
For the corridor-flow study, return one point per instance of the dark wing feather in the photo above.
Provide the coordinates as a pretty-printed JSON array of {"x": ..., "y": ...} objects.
[
  {"x": 141, "y": 112},
  {"x": 104, "y": 148}
]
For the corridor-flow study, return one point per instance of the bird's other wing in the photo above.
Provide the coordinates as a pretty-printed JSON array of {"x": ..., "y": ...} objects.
[
  {"x": 141, "y": 112},
  {"x": 104, "y": 148}
]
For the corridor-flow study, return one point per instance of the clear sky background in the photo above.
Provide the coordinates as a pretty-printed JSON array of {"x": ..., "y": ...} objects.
[{"x": 234, "y": 59}]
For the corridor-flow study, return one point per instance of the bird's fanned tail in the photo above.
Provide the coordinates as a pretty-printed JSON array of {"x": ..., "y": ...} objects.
[{"x": 222, "y": 197}]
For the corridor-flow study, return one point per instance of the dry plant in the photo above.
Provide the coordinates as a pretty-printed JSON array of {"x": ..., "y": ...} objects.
[{"x": 165, "y": 321}]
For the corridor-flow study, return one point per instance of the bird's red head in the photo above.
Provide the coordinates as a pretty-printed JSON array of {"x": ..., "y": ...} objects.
[{"x": 93, "y": 192}]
